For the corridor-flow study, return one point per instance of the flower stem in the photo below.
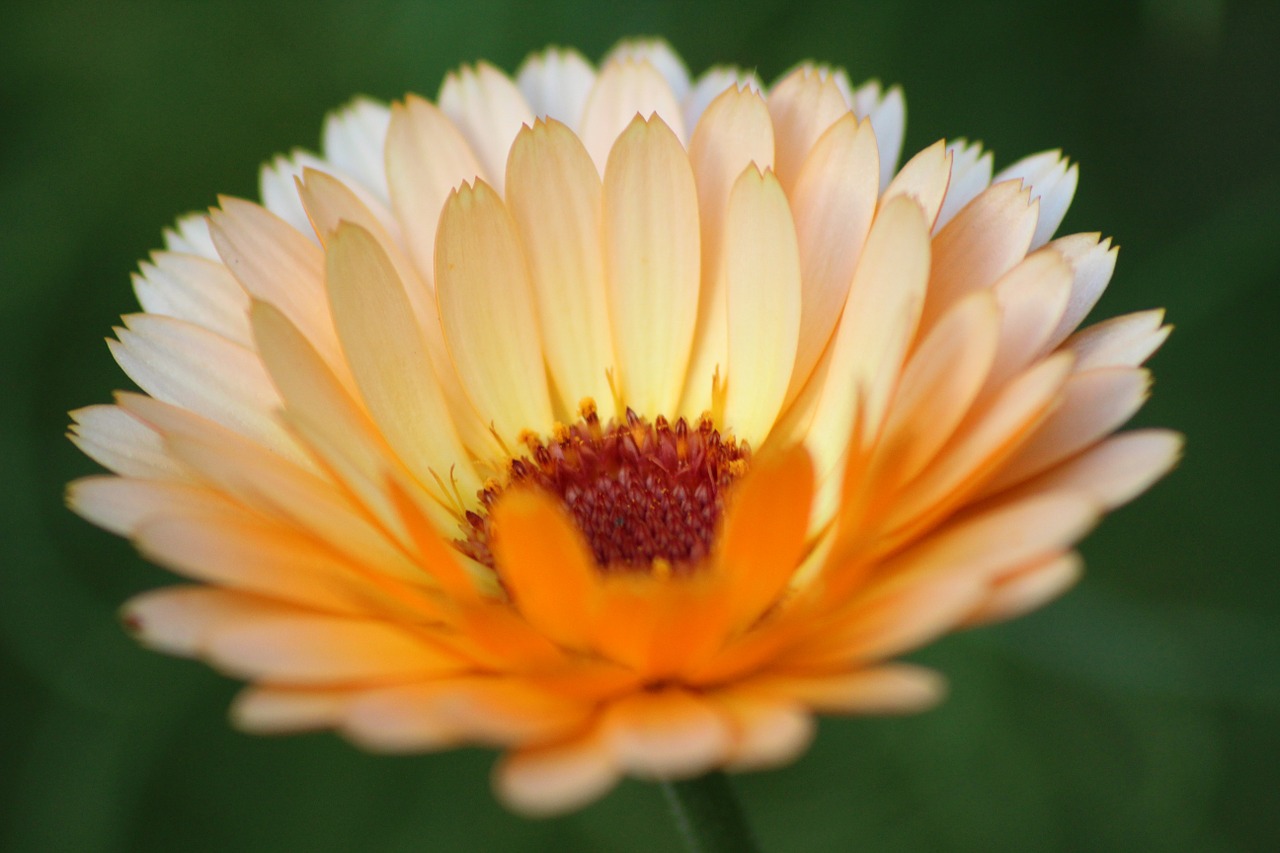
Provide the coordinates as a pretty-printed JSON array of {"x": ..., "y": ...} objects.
[{"x": 708, "y": 816}]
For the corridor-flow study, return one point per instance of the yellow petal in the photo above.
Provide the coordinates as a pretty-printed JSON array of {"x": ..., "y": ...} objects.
[
  {"x": 735, "y": 131},
  {"x": 762, "y": 273},
  {"x": 489, "y": 316},
  {"x": 388, "y": 356},
  {"x": 652, "y": 259},
  {"x": 554, "y": 195}
]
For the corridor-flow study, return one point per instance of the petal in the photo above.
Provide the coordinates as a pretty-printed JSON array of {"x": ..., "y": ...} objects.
[
  {"x": 554, "y": 195},
  {"x": 1051, "y": 181},
  {"x": 710, "y": 85},
  {"x": 556, "y": 84},
  {"x": 891, "y": 689},
  {"x": 544, "y": 781},
  {"x": 388, "y": 356},
  {"x": 1093, "y": 405},
  {"x": 762, "y": 273},
  {"x": 489, "y": 316},
  {"x": 941, "y": 381},
  {"x": 626, "y": 88},
  {"x": 195, "y": 289},
  {"x": 1032, "y": 297},
  {"x": 121, "y": 505},
  {"x": 657, "y": 53},
  {"x": 1125, "y": 341},
  {"x": 924, "y": 178},
  {"x": 878, "y": 321},
  {"x": 1093, "y": 259},
  {"x": 652, "y": 259},
  {"x": 888, "y": 113},
  {"x": 489, "y": 110},
  {"x": 767, "y": 732},
  {"x": 354, "y": 141},
  {"x": 1028, "y": 590},
  {"x": 547, "y": 567},
  {"x": 1114, "y": 471},
  {"x": 427, "y": 158},
  {"x": 765, "y": 533},
  {"x": 120, "y": 442},
  {"x": 285, "y": 710},
  {"x": 667, "y": 734},
  {"x": 803, "y": 105},
  {"x": 734, "y": 133},
  {"x": 190, "y": 235},
  {"x": 984, "y": 241},
  {"x": 970, "y": 175},
  {"x": 834, "y": 200}
]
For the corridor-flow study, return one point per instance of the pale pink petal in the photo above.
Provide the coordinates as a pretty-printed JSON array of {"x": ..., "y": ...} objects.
[
  {"x": 194, "y": 289},
  {"x": 667, "y": 734},
  {"x": 803, "y": 105},
  {"x": 285, "y": 710},
  {"x": 1093, "y": 259},
  {"x": 657, "y": 53},
  {"x": 625, "y": 89},
  {"x": 970, "y": 175},
  {"x": 710, "y": 85},
  {"x": 898, "y": 688},
  {"x": 1032, "y": 297},
  {"x": 924, "y": 178},
  {"x": 1125, "y": 341},
  {"x": 1028, "y": 590},
  {"x": 543, "y": 781},
  {"x": 1050, "y": 180}
]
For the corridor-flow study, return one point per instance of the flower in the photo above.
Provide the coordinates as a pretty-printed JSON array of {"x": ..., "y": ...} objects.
[{"x": 616, "y": 420}]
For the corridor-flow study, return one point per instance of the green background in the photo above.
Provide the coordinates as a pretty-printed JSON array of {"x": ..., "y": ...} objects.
[{"x": 1139, "y": 713}]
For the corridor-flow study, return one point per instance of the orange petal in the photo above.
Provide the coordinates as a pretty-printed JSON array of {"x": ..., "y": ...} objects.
[{"x": 544, "y": 781}]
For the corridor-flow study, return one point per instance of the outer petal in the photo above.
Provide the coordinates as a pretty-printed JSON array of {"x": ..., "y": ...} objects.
[
  {"x": 556, "y": 84},
  {"x": 803, "y": 105},
  {"x": 625, "y": 89},
  {"x": 489, "y": 110}
]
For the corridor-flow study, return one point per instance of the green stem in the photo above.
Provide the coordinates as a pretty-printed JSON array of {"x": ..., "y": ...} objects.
[{"x": 708, "y": 816}]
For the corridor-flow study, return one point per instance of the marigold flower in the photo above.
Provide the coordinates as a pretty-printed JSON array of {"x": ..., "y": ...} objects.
[{"x": 613, "y": 419}]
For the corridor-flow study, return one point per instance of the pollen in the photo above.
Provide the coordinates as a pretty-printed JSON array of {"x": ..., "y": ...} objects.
[{"x": 647, "y": 496}]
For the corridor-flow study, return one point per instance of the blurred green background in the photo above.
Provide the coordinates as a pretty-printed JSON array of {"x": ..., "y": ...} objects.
[{"x": 1139, "y": 713}]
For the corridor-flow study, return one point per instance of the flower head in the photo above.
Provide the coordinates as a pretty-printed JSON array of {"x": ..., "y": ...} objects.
[{"x": 614, "y": 419}]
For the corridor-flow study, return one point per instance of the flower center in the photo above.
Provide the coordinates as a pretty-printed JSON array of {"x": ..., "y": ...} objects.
[{"x": 640, "y": 492}]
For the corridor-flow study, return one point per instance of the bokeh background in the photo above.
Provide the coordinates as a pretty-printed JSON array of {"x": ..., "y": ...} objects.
[{"x": 1141, "y": 712}]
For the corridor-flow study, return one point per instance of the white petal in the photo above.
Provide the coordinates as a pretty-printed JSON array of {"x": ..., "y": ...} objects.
[
  {"x": 970, "y": 175},
  {"x": 190, "y": 234},
  {"x": 489, "y": 110},
  {"x": 195, "y": 289},
  {"x": 888, "y": 113},
  {"x": 116, "y": 440},
  {"x": 658, "y": 54},
  {"x": 710, "y": 85},
  {"x": 1093, "y": 259},
  {"x": 355, "y": 141},
  {"x": 1051, "y": 181},
  {"x": 556, "y": 83}
]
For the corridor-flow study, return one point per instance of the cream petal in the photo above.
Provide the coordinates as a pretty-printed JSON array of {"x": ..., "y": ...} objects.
[
  {"x": 1125, "y": 341},
  {"x": 194, "y": 289},
  {"x": 278, "y": 187},
  {"x": 735, "y": 132},
  {"x": 489, "y": 110},
  {"x": 626, "y": 88},
  {"x": 489, "y": 316},
  {"x": 285, "y": 710},
  {"x": 278, "y": 265},
  {"x": 1028, "y": 590},
  {"x": 549, "y": 780},
  {"x": 834, "y": 200},
  {"x": 652, "y": 259},
  {"x": 1052, "y": 181},
  {"x": 983, "y": 242},
  {"x": 190, "y": 235},
  {"x": 388, "y": 356},
  {"x": 120, "y": 442},
  {"x": 767, "y": 732},
  {"x": 898, "y": 688},
  {"x": 941, "y": 381},
  {"x": 178, "y": 620},
  {"x": 1093, "y": 259},
  {"x": 878, "y": 322},
  {"x": 122, "y": 504},
  {"x": 189, "y": 367},
  {"x": 659, "y": 54},
  {"x": 1112, "y": 472},
  {"x": 455, "y": 711},
  {"x": 710, "y": 85},
  {"x": 355, "y": 140},
  {"x": 762, "y": 273},
  {"x": 1094, "y": 404},
  {"x": 329, "y": 201},
  {"x": 803, "y": 105},
  {"x": 887, "y": 110},
  {"x": 231, "y": 548},
  {"x": 427, "y": 158},
  {"x": 556, "y": 83},
  {"x": 970, "y": 175},
  {"x": 669, "y": 734},
  {"x": 280, "y": 490},
  {"x": 924, "y": 178},
  {"x": 554, "y": 195},
  {"x": 1032, "y": 297}
]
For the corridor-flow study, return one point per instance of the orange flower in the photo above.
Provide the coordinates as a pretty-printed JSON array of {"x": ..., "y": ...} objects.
[{"x": 615, "y": 420}]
